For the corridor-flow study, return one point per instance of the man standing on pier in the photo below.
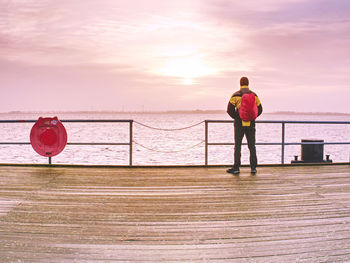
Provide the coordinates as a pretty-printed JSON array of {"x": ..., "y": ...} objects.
[{"x": 244, "y": 107}]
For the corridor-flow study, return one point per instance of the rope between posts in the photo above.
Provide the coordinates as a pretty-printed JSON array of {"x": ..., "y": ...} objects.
[
  {"x": 175, "y": 129},
  {"x": 155, "y": 150}
]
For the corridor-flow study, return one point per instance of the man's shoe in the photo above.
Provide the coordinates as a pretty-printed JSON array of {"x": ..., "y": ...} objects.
[
  {"x": 253, "y": 171},
  {"x": 233, "y": 171}
]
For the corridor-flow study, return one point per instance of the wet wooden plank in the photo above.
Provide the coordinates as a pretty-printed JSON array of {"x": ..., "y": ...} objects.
[{"x": 283, "y": 214}]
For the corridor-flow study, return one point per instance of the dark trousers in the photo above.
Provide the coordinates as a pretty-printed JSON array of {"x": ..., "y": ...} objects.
[{"x": 249, "y": 132}]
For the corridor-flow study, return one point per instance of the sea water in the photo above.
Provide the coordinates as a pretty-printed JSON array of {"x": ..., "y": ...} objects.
[{"x": 175, "y": 147}]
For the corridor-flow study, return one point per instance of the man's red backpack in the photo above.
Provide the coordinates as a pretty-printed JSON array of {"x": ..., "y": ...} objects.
[{"x": 248, "y": 110}]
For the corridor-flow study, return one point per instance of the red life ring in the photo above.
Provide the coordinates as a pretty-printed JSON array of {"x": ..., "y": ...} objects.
[{"x": 48, "y": 137}]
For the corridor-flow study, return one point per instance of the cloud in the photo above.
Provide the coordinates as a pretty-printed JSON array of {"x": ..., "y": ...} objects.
[
  {"x": 261, "y": 13},
  {"x": 88, "y": 87},
  {"x": 110, "y": 53},
  {"x": 289, "y": 37}
]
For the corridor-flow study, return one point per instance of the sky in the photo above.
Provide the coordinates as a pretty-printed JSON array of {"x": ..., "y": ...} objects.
[{"x": 159, "y": 55}]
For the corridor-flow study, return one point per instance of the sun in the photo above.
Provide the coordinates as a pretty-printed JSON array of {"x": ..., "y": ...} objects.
[
  {"x": 188, "y": 81},
  {"x": 187, "y": 68}
]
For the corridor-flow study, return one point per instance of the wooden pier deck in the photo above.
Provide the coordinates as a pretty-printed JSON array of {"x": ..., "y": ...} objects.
[{"x": 283, "y": 214}]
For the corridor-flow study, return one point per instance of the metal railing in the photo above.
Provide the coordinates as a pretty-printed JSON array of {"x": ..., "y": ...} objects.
[
  {"x": 282, "y": 143},
  {"x": 82, "y": 143}
]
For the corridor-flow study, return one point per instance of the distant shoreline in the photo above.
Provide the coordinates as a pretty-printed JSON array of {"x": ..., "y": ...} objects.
[
  {"x": 119, "y": 112},
  {"x": 173, "y": 112},
  {"x": 308, "y": 113}
]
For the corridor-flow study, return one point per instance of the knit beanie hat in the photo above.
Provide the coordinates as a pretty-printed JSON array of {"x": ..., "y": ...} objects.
[{"x": 244, "y": 81}]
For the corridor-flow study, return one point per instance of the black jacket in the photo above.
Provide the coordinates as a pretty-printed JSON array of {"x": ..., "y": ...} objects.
[{"x": 235, "y": 103}]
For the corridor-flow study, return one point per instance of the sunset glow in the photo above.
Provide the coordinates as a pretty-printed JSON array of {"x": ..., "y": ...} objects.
[
  {"x": 103, "y": 55},
  {"x": 186, "y": 68}
]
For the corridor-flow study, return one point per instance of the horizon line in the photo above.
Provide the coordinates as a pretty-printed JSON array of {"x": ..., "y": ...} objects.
[{"x": 170, "y": 112}]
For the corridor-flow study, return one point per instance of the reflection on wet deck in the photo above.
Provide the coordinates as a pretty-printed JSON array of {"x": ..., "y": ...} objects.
[{"x": 283, "y": 214}]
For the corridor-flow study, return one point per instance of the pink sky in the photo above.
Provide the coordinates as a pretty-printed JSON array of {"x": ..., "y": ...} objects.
[{"x": 170, "y": 55}]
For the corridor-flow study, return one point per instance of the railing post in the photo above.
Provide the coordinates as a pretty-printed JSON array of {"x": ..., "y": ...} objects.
[
  {"x": 283, "y": 142},
  {"x": 206, "y": 142},
  {"x": 130, "y": 142}
]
